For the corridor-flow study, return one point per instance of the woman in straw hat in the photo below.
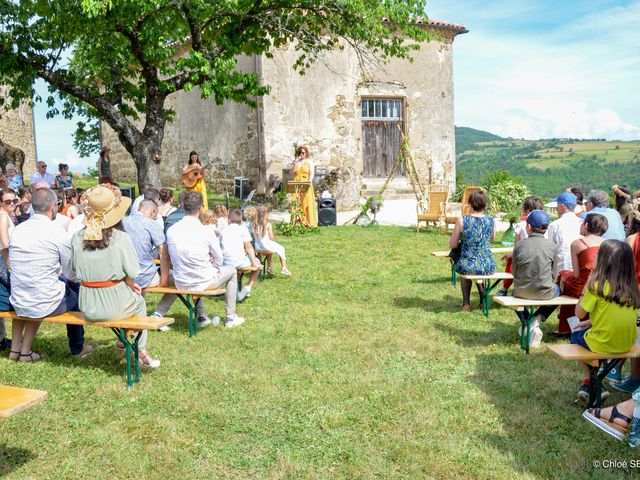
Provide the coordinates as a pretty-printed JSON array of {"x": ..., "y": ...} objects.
[{"x": 106, "y": 263}]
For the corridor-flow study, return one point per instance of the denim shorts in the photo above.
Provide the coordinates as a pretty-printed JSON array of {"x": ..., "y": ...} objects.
[{"x": 577, "y": 338}]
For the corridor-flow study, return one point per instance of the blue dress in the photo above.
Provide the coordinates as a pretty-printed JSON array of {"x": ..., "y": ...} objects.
[{"x": 476, "y": 257}]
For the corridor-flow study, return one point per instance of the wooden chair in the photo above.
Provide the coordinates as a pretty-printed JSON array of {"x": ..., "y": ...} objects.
[
  {"x": 433, "y": 209},
  {"x": 466, "y": 194}
]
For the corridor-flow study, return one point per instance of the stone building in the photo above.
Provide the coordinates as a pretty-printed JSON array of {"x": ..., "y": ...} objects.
[
  {"x": 349, "y": 117},
  {"x": 17, "y": 130}
]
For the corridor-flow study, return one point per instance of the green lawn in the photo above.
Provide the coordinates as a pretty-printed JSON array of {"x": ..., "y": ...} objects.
[{"x": 359, "y": 366}]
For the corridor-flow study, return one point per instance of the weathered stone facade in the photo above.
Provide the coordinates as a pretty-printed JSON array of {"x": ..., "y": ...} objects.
[
  {"x": 321, "y": 108},
  {"x": 17, "y": 130}
]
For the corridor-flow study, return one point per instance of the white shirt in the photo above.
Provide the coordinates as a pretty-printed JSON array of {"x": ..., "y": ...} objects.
[
  {"x": 36, "y": 177},
  {"x": 38, "y": 249},
  {"x": 563, "y": 232},
  {"x": 136, "y": 204},
  {"x": 232, "y": 241},
  {"x": 190, "y": 247},
  {"x": 211, "y": 231},
  {"x": 75, "y": 225},
  {"x": 521, "y": 229}
]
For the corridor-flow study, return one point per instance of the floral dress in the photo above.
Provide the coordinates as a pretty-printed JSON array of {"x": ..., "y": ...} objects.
[{"x": 476, "y": 257}]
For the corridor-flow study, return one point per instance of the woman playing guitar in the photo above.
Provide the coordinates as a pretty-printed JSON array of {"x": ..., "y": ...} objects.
[{"x": 193, "y": 177}]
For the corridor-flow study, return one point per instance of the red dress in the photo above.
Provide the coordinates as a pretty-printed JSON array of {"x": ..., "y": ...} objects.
[
  {"x": 573, "y": 286},
  {"x": 636, "y": 254}
]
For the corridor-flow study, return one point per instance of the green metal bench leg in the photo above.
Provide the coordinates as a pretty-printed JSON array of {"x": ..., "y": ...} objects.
[
  {"x": 486, "y": 296},
  {"x": 263, "y": 273},
  {"x": 128, "y": 349},
  {"x": 453, "y": 274},
  {"x": 596, "y": 376},
  {"x": 193, "y": 317},
  {"x": 526, "y": 329}
]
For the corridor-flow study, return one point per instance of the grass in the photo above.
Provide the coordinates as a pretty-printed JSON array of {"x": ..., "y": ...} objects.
[{"x": 360, "y": 366}]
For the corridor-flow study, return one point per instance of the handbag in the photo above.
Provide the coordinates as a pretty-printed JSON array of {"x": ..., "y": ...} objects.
[{"x": 455, "y": 253}]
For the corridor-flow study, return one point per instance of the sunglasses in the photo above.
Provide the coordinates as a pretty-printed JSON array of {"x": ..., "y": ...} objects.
[{"x": 9, "y": 202}]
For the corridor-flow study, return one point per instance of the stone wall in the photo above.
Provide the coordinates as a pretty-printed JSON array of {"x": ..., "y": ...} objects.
[
  {"x": 17, "y": 129},
  {"x": 219, "y": 133}
]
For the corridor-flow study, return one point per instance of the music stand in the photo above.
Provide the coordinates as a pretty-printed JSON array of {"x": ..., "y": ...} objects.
[{"x": 299, "y": 189}]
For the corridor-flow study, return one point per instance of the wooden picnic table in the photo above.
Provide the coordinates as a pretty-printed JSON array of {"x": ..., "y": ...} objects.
[
  {"x": 445, "y": 254},
  {"x": 15, "y": 399}
]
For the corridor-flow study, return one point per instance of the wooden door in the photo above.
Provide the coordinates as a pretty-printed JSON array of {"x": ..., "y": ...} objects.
[{"x": 381, "y": 133}]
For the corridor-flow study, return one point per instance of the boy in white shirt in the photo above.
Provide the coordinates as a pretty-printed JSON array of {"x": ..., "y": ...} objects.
[{"x": 237, "y": 250}]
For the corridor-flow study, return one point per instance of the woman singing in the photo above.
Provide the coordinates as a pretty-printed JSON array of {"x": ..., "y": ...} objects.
[
  {"x": 303, "y": 171},
  {"x": 195, "y": 166}
]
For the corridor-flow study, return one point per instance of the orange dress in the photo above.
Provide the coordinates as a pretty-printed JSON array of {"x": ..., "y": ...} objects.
[
  {"x": 309, "y": 207},
  {"x": 636, "y": 254},
  {"x": 573, "y": 286}
]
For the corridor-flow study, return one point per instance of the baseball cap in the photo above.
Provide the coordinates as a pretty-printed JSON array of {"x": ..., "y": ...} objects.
[
  {"x": 538, "y": 219},
  {"x": 568, "y": 199}
]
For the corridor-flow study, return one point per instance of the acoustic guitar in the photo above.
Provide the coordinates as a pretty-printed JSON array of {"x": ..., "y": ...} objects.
[{"x": 195, "y": 173}]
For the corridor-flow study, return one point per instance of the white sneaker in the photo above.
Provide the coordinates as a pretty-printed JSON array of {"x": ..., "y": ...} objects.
[
  {"x": 244, "y": 293},
  {"x": 237, "y": 321},
  {"x": 146, "y": 362},
  {"x": 203, "y": 322},
  {"x": 166, "y": 328},
  {"x": 535, "y": 323}
]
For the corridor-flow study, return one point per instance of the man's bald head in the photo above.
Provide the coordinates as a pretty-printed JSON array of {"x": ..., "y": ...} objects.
[{"x": 148, "y": 208}]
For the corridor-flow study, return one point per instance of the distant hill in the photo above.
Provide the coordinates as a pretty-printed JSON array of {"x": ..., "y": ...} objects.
[
  {"x": 548, "y": 166},
  {"x": 466, "y": 138}
]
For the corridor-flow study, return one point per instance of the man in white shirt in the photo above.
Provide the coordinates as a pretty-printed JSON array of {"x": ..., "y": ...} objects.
[
  {"x": 153, "y": 194},
  {"x": 191, "y": 249},
  {"x": 565, "y": 230},
  {"x": 38, "y": 250},
  {"x": 237, "y": 250},
  {"x": 41, "y": 175}
]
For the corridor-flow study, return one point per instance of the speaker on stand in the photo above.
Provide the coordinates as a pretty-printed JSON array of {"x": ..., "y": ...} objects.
[{"x": 327, "y": 212}]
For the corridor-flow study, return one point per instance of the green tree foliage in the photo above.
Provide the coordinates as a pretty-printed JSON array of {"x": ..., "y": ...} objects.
[
  {"x": 119, "y": 60},
  {"x": 506, "y": 192}
]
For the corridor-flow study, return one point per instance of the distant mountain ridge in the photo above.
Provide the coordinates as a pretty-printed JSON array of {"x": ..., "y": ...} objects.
[{"x": 548, "y": 166}]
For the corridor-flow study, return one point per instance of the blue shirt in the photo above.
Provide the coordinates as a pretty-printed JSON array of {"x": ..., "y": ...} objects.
[
  {"x": 146, "y": 236},
  {"x": 616, "y": 228},
  {"x": 15, "y": 182}
]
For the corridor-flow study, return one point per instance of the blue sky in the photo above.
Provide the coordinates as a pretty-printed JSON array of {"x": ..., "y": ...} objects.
[{"x": 526, "y": 69}]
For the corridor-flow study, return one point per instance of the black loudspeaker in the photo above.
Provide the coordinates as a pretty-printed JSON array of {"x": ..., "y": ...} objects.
[
  {"x": 327, "y": 213},
  {"x": 128, "y": 192}
]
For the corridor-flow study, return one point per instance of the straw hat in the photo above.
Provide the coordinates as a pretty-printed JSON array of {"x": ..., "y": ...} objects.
[{"x": 104, "y": 206}]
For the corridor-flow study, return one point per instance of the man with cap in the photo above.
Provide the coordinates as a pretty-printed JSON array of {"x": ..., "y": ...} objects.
[
  {"x": 565, "y": 230},
  {"x": 534, "y": 271},
  {"x": 598, "y": 202}
]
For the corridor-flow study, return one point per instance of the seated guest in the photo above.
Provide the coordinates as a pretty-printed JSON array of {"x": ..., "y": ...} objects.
[
  {"x": 632, "y": 382},
  {"x": 222, "y": 218},
  {"x": 7, "y": 206},
  {"x": 208, "y": 219},
  {"x": 60, "y": 219},
  {"x": 71, "y": 206},
  {"x": 565, "y": 230},
  {"x": 580, "y": 208},
  {"x": 176, "y": 216},
  {"x": 38, "y": 250},
  {"x": 250, "y": 216},
  {"x": 622, "y": 194},
  {"x": 14, "y": 180},
  {"x": 166, "y": 207},
  {"x": 24, "y": 204},
  {"x": 106, "y": 264},
  {"x": 148, "y": 238},
  {"x": 152, "y": 194},
  {"x": 190, "y": 247},
  {"x": 5, "y": 304},
  {"x": 529, "y": 205},
  {"x": 533, "y": 271},
  {"x": 265, "y": 240},
  {"x": 473, "y": 234},
  {"x": 237, "y": 250},
  {"x": 41, "y": 175},
  {"x": 611, "y": 297},
  {"x": 583, "y": 255},
  {"x": 65, "y": 179},
  {"x": 620, "y": 421},
  {"x": 598, "y": 202},
  {"x": 139, "y": 198}
]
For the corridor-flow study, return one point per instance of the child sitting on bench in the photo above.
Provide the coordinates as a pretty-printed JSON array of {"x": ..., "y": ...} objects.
[
  {"x": 263, "y": 234},
  {"x": 237, "y": 250},
  {"x": 611, "y": 298},
  {"x": 533, "y": 265}
]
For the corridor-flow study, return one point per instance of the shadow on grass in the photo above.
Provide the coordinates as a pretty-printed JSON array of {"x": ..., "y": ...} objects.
[
  {"x": 440, "y": 280},
  {"x": 13, "y": 458},
  {"x": 538, "y": 426},
  {"x": 449, "y": 303},
  {"x": 502, "y": 334}
]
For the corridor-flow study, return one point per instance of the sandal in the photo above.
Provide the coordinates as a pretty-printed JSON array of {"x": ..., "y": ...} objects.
[
  {"x": 286, "y": 273},
  {"x": 31, "y": 357},
  {"x": 593, "y": 416},
  {"x": 270, "y": 272},
  {"x": 147, "y": 362},
  {"x": 16, "y": 357}
]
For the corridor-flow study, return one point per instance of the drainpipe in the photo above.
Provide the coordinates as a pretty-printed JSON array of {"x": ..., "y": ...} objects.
[{"x": 262, "y": 167}]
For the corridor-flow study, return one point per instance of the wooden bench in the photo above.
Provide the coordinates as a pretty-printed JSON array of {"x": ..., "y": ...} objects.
[
  {"x": 487, "y": 287},
  {"x": 262, "y": 256},
  {"x": 600, "y": 365},
  {"x": 242, "y": 271},
  {"x": 188, "y": 298},
  {"x": 531, "y": 307},
  {"x": 15, "y": 399},
  {"x": 135, "y": 324},
  {"x": 445, "y": 254}
]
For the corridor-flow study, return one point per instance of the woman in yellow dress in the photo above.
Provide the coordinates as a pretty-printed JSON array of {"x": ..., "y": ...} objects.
[
  {"x": 195, "y": 164},
  {"x": 303, "y": 171}
]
